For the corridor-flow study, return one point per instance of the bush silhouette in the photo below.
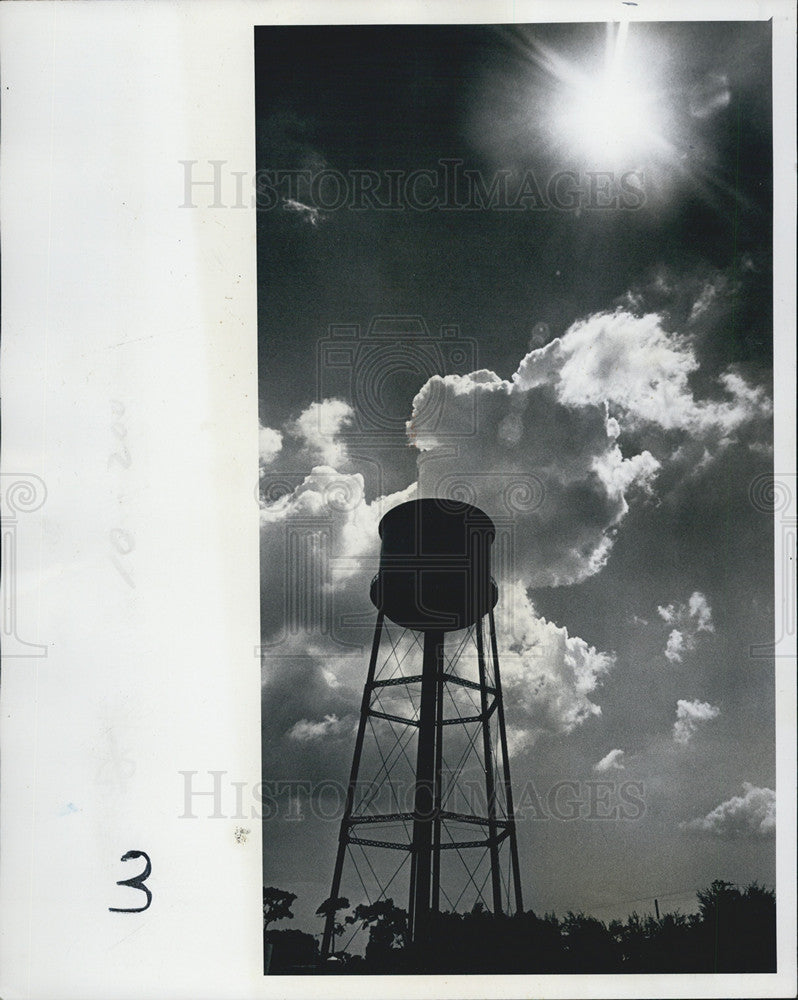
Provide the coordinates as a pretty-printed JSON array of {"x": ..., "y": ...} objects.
[{"x": 733, "y": 931}]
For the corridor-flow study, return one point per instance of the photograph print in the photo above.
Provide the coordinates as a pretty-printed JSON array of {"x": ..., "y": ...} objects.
[{"x": 517, "y": 497}]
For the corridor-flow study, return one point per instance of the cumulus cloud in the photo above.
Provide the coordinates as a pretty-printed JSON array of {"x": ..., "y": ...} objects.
[
  {"x": 319, "y": 549},
  {"x": 318, "y": 429},
  {"x": 270, "y": 443},
  {"x": 752, "y": 814},
  {"x": 304, "y": 678},
  {"x": 541, "y": 452},
  {"x": 549, "y": 677},
  {"x": 553, "y": 472},
  {"x": 689, "y": 716},
  {"x": 691, "y": 618},
  {"x": 320, "y": 544},
  {"x": 316, "y": 436},
  {"x": 675, "y": 646},
  {"x": 614, "y": 761},
  {"x": 642, "y": 371},
  {"x": 542, "y": 449},
  {"x": 701, "y": 611}
]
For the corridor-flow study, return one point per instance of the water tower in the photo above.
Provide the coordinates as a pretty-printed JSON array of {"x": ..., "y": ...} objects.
[{"x": 430, "y": 779}]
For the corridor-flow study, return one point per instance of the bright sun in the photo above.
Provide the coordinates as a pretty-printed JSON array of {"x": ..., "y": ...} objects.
[{"x": 608, "y": 117}]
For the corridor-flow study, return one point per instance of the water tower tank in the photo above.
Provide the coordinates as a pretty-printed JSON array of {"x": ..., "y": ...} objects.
[{"x": 435, "y": 565}]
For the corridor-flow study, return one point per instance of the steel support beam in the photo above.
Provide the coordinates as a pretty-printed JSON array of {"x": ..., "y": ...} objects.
[{"x": 343, "y": 834}]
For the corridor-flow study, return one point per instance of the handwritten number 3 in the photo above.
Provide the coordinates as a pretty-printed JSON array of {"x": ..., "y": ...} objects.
[{"x": 136, "y": 882}]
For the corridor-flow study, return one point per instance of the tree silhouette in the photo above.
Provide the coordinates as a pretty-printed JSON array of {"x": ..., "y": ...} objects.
[
  {"x": 715, "y": 898},
  {"x": 276, "y": 905},
  {"x": 733, "y": 931},
  {"x": 331, "y": 906},
  {"x": 588, "y": 944},
  {"x": 739, "y": 928},
  {"x": 293, "y": 950},
  {"x": 387, "y": 925}
]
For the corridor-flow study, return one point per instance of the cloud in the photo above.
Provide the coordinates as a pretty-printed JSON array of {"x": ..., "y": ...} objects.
[
  {"x": 675, "y": 646},
  {"x": 642, "y": 372},
  {"x": 308, "y": 213},
  {"x": 319, "y": 550},
  {"x": 553, "y": 474},
  {"x": 701, "y": 611},
  {"x": 614, "y": 761},
  {"x": 314, "y": 437},
  {"x": 689, "y": 716},
  {"x": 703, "y": 303},
  {"x": 310, "y": 696},
  {"x": 691, "y": 618},
  {"x": 518, "y": 740},
  {"x": 305, "y": 731},
  {"x": 541, "y": 452},
  {"x": 328, "y": 500},
  {"x": 320, "y": 545},
  {"x": 543, "y": 449},
  {"x": 548, "y": 676},
  {"x": 752, "y": 814},
  {"x": 302, "y": 680},
  {"x": 270, "y": 443},
  {"x": 318, "y": 430}
]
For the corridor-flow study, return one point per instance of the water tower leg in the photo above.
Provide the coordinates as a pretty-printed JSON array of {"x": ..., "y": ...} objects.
[
  {"x": 508, "y": 789},
  {"x": 490, "y": 789},
  {"x": 436, "y": 829},
  {"x": 343, "y": 835},
  {"x": 412, "y": 896},
  {"x": 424, "y": 807}
]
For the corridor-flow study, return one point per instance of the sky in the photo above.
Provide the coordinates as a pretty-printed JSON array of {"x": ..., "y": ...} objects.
[{"x": 583, "y": 349}]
